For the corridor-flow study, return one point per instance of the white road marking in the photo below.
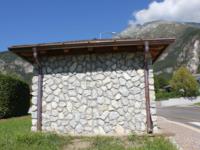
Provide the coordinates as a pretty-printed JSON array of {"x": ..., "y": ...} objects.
[{"x": 195, "y": 123}]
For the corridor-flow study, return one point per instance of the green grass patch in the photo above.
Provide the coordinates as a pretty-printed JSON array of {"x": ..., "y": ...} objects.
[
  {"x": 15, "y": 134},
  {"x": 106, "y": 143},
  {"x": 132, "y": 142},
  {"x": 151, "y": 143},
  {"x": 163, "y": 95},
  {"x": 197, "y": 104}
]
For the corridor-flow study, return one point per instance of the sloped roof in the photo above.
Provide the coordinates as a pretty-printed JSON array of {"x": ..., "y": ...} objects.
[{"x": 157, "y": 46}]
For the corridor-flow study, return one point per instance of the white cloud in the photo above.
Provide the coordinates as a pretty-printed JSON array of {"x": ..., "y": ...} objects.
[{"x": 172, "y": 10}]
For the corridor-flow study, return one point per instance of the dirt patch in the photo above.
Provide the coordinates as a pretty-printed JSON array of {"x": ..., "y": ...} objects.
[{"x": 78, "y": 144}]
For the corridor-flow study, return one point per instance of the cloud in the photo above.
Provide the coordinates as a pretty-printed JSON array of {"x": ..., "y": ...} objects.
[{"x": 171, "y": 10}]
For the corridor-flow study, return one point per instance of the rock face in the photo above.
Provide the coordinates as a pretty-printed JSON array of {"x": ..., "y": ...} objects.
[
  {"x": 12, "y": 64},
  {"x": 183, "y": 52},
  {"x": 93, "y": 94}
]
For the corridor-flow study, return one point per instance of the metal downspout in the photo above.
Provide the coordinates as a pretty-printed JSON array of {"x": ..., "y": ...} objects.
[
  {"x": 39, "y": 91},
  {"x": 147, "y": 97}
]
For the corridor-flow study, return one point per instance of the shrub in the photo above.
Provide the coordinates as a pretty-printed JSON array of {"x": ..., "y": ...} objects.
[
  {"x": 160, "y": 82},
  {"x": 163, "y": 95},
  {"x": 184, "y": 83},
  {"x": 14, "y": 97}
]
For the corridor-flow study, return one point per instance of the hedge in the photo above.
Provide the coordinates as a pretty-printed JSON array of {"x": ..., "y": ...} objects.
[{"x": 14, "y": 97}]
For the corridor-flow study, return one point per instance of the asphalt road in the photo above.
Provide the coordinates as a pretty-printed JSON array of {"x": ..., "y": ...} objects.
[{"x": 188, "y": 115}]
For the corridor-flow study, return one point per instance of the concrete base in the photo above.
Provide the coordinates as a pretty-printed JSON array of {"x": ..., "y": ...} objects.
[{"x": 179, "y": 101}]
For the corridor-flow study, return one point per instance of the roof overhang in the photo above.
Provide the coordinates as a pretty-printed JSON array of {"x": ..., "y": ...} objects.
[{"x": 156, "y": 46}]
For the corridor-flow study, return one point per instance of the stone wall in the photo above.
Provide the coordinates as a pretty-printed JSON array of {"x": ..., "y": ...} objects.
[{"x": 93, "y": 94}]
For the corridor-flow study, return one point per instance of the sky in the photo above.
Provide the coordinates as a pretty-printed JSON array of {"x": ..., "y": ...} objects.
[
  {"x": 171, "y": 10},
  {"x": 41, "y": 21}
]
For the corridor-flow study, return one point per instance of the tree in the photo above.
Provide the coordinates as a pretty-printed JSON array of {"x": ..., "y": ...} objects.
[{"x": 184, "y": 83}]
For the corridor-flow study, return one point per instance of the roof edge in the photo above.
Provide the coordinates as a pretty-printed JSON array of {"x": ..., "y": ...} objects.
[{"x": 95, "y": 41}]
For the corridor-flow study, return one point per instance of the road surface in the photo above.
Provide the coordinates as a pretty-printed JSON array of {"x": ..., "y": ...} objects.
[{"x": 189, "y": 115}]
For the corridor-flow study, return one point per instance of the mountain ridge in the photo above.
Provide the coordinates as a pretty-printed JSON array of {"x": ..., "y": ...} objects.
[
  {"x": 184, "y": 51},
  {"x": 13, "y": 65}
]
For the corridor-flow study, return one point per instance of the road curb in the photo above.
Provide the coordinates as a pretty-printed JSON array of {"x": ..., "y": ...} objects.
[{"x": 182, "y": 101}]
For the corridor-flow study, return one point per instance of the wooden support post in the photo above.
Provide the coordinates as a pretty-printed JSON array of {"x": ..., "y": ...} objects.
[
  {"x": 39, "y": 91},
  {"x": 147, "y": 97}
]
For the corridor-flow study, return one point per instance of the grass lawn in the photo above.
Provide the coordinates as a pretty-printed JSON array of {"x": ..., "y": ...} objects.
[{"x": 15, "y": 135}]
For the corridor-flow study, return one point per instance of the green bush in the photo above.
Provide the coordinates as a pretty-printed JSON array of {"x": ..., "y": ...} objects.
[
  {"x": 14, "y": 97},
  {"x": 184, "y": 83},
  {"x": 163, "y": 95},
  {"x": 160, "y": 82}
]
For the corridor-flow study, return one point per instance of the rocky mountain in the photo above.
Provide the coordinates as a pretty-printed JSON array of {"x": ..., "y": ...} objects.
[
  {"x": 14, "y": 65},
  {"x": 185, "y": 51}
]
